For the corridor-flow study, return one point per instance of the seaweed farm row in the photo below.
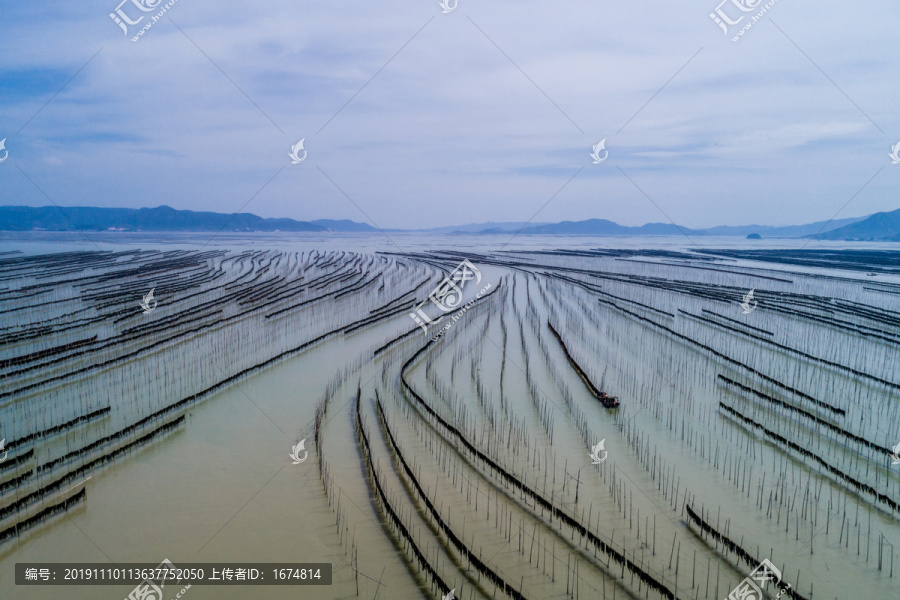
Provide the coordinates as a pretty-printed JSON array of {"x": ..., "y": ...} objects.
[
  {"x": 88, "y": 376},
  {"x": 595, "y": 423}
]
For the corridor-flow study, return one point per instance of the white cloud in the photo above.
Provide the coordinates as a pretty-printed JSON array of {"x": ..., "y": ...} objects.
[{"x": 450, "y": 130}]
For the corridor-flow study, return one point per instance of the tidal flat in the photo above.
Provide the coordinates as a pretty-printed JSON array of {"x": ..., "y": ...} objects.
[{"x": 461, "y": 449}]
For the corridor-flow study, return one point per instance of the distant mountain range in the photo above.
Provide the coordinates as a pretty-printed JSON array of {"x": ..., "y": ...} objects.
[
  {"x": 604, "y": 227},
  {"x": 161, "y": 218},
  {"x": 880, "y": 226}
]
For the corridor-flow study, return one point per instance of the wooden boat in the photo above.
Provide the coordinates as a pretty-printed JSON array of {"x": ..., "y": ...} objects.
[{"x": 605, "y": 399}]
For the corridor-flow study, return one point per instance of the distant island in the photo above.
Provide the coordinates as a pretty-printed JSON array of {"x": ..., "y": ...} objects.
[{"x": 877, "y": 227}]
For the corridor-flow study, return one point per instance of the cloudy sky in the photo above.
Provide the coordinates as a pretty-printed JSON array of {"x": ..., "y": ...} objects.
[{"x": 413, "y": 117}]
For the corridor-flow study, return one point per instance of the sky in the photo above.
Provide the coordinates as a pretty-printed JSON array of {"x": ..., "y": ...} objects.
[{"x": 412, "y": 117}]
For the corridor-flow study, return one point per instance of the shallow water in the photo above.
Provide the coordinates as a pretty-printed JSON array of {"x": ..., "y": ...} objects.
[{"x": 221, "y": 487}]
